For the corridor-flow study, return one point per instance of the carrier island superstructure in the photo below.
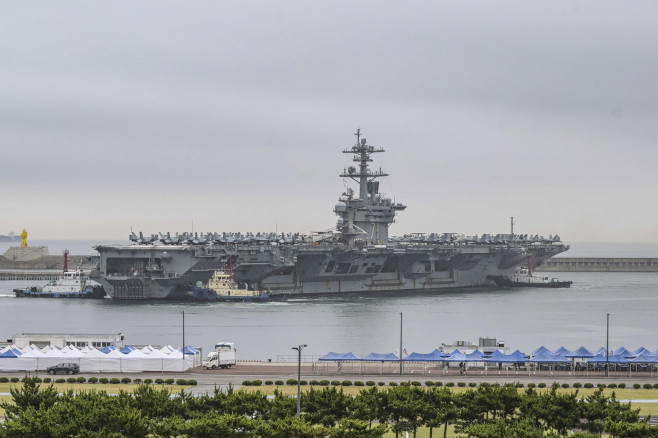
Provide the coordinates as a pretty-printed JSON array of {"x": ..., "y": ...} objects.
[{"x": 357, "y": 256}]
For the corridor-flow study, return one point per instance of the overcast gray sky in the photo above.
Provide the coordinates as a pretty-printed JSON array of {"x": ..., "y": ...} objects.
[{"x": 233, "y": 115}]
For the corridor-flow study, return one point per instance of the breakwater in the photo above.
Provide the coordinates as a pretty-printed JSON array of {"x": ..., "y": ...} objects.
[{"x": 599, "y": 264}]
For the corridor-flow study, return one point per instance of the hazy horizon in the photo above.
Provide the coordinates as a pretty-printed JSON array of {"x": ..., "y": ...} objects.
[{"x": 234, "y": 115}]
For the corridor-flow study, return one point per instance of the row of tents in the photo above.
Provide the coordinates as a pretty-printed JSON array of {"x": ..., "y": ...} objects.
[
  {"x": 107, "y": 359},
  {"x": 542, "y": 355}
]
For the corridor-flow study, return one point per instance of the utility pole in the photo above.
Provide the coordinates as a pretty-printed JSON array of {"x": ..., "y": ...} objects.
[
  {"x": 400, "y": 343},
  {"x": 607, "y": 344}
]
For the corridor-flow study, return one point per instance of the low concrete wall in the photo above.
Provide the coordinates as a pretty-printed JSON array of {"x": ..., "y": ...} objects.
[{"x": 599, "y": 264}]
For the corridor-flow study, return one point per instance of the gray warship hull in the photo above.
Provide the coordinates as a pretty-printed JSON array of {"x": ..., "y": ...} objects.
[{"x": 356, "y": 256}]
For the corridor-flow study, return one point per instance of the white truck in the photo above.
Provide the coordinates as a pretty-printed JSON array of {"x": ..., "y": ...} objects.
[{"x": 222, "y": 357}]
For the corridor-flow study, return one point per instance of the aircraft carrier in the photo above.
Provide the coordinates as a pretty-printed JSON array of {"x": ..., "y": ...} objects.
[{"x": 357, "y": 256}]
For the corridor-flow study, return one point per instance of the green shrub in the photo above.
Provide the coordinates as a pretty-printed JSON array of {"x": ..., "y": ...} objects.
[
  {"x": 159, "y": 381},
  {"x": 577, "y": 385},
  {"x": 291, "y": 382},
  {"x": 323, "y": 382},
  {"x": 621, "y": 385},
  {"x": 269, "y": 382},
  {"x": 346, "y": 383},
  {"x": 246, "y": 383},
  {"x": 518, "y": 385},
  {"x": 103, "y": 380},
  {"x": 472, "y": 384},
  {"x": 46, "y": 380},
  {"x": 450, "y": 384},
  {"x": 358, "y": 383},
  {"x": 461, "y": 384},
  {"x": 588, "y": 385},
  {"x": 60, "y": 380},
  {"x": 81, "y": 379},
  {"x": 14, "y": 379},
  {"x": 313, "y": 382},
  {"x": 612, "y": 385},
  {"x": 541, "y": 385},
  {"x": 115, "y": 381},
  {"x": 565, "y": 385},
  {"x": 485, "y": 384},
  {"x": 381, "y": 383},
  {"x": 278, "y": 382},
  {"x": 192, "y": 382},
  {"x": 303, "y": 382},
  {"x": 148, "y": 381},
  {"x": 508, "y": 385},
  {"x": 370, "y": 383},
  {"x": 92, "y": 379},
  {"x": 393, "y": 384},
  {"x": 257, "y": 382},
  {"x": 655, "y": 385},
  {"x": 4, "y": 379},
  {"x": 496, "y": 385},
  {"x": 71, "y": 380},
  {"x": 126, "y": 380},
  {"x": 335, "y": 383},
  {"x": 429, "y": 383},
  {"x": 531, "y": 385},
  {"x": 137, "y": 380},
  {"x": 415, "y": 383},
  {"x": 181, "y": 382},
  {"x": 405, "y": 384},
  {"x": 600, "y": 385},
  {"x": 636, "y": 385},
  {"x": 648, "y": 386},
  {"x": 169, "y": 381},
  {"x": 438, "y": 383}
]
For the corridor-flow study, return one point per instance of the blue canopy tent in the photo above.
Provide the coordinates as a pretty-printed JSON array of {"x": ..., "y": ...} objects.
[
  {"x": 498, "y": 357},
  {"x": 108, "y": 349},
  {"x": 377, "y": 357},
  {"x": 622, "y": 351},
  {"x": 541, "y": 349},
  {"x": 476, "y": 356},
  {"x": 127, "y": 349},
  {"x": 563, "y": 351},
  {"x": 599, "y": 351},
  {"x": 381, "y": 358},
  {"x": 11, "y": 353},
  {"x": 641, "y": 350},
  {"x": 548, "y": 358},
  {"x": 434, "y": 356},
  {"x": 339, "y": 358},
  {"x": 456, "y": 356},
  {"x": 646, "y": 358},
  {"x": 615, "y": 360},
  {"x": 582, "y": 352}
]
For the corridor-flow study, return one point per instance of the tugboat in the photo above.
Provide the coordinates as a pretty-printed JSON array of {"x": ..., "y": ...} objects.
[
  {"x": 72, "y": 284},
  {"x": 523, "y": 277},
  {"x": 222, "y": 287}
]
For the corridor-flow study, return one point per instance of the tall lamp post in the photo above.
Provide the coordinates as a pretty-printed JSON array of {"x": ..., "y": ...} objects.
[
  {"x": 400, "y": 343},
  {"x": 299, "y": 376},
  {"x": 607, "y": 343}
]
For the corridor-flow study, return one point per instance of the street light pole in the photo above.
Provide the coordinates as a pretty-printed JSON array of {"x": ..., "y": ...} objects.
[
  {"x": 299, "y": 376},
  {"x": 400, "y": 343},
  {"x": 607, "y": 343}
]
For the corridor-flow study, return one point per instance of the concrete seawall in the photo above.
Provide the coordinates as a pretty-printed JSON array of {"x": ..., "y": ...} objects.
[{"x": 599, "y": 264}]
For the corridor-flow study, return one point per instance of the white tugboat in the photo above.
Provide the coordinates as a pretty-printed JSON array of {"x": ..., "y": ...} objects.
[
  {"x": 523, "y": 277},
  {"x": 72, "y": 284}
]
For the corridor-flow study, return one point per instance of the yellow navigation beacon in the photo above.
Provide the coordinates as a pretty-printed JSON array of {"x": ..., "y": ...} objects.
[{"x": 24, "y": 238}]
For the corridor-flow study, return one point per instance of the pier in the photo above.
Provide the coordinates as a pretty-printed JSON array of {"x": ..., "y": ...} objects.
[{"x": 599, "y": 264}]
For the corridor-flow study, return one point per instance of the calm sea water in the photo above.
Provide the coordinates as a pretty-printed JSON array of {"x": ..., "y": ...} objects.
[{"x": 523, "y": 318}]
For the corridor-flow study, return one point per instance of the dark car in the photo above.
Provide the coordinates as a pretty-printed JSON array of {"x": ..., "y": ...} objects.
[{"x": 67, "y": 368}]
